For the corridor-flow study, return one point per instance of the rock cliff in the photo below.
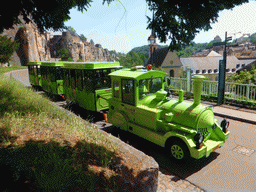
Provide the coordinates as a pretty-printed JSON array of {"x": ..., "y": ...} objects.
[
  {"x": 32, "y": 43},
  {"x": 35, "y": 46}
]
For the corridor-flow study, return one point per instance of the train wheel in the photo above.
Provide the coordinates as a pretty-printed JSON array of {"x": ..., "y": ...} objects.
[{"x": 179, "y": 151}]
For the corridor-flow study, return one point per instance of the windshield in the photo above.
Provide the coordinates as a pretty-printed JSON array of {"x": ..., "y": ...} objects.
[{"x": 149, "y": 86}]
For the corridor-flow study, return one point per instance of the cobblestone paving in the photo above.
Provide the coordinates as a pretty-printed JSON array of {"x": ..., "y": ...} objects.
[{"x": 170, "y": 183}]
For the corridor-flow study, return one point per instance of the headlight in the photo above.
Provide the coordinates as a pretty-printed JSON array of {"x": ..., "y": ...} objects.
[
  {"x": 199, "y": 138},
  {"x": 224, "y": 125}
]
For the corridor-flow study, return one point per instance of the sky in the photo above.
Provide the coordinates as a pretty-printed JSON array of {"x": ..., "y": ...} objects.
[{"x": 121, "y": 26}]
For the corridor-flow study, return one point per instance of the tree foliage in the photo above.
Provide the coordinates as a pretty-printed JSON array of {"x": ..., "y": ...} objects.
[
  {"x": 7, "y": 48},
  {"x": 182, "y": 20},
  {"x": 64, "y": 54},
  {"x": 131, "y": 59},
  {"x": 83, "y": 37},
  {"x": 175, "y": 19},
  {"x": 253, "y": 38},
  {"x": 244, "y": 77},
  {"x": 70, "y": 29}
]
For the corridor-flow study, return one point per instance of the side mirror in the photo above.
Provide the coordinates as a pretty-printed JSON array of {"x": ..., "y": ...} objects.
[{"x": 168, "y": 81}]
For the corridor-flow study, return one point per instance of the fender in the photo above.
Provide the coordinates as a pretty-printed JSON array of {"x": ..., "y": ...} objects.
[
  {"x": 119, "y": 119},
  {"x": 187, "y": 140}
]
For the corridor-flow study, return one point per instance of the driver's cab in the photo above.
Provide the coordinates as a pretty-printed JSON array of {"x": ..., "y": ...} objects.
[{"x": 132, "y": 88}]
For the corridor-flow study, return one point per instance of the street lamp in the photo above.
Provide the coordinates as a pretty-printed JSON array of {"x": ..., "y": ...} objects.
[{"x": 222, "y": 72}]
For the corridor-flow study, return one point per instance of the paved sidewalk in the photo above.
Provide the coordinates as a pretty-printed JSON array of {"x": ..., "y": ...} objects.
[
  {"x": 247, "y": 117},
  {"x": 231, "y": 112}
]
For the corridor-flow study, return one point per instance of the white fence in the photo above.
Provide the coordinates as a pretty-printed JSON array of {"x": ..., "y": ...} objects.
[{"x": 233, "y": 91}]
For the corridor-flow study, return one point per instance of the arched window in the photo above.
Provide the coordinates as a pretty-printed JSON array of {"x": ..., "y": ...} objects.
[{"x": 171, "y": 73}]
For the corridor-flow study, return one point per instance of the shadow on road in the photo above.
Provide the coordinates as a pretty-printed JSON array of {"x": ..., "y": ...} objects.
[{"x": 166, "y": 165}]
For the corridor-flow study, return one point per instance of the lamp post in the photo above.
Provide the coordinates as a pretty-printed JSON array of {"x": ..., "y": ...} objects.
[{"x": 222, "y": 73}]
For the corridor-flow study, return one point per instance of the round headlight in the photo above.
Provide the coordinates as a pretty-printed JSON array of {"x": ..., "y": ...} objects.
[
  {"x": 224, "y": 125},
  {"x": 199, "y": 138}
]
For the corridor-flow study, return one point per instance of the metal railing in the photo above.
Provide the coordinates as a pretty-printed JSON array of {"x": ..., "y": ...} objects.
[{"x": 233, "y": 91}]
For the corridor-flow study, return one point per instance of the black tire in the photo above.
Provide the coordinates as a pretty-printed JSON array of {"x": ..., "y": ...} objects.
[{"x": 178, "y": 151}]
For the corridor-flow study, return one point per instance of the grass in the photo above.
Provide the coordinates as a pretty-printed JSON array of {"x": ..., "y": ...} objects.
[
  {"x": 8, "y": 69},
  {"x": 43, "y": 148}
]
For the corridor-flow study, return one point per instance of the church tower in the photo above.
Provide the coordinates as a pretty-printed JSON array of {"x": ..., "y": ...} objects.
[{"x": 152, "y": 44}]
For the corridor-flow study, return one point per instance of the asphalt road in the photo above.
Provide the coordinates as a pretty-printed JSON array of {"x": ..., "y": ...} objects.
[
  {"x": 20, "y": 75},
  {"x": 230, "y": 168}
]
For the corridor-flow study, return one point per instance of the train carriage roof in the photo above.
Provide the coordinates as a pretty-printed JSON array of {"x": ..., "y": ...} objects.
[
  {"x": 34, "y": 63},
  {"x": 138, "y": 74},
  {"x": 92, "y": 65},
  {"x": 52, "y": 64}
]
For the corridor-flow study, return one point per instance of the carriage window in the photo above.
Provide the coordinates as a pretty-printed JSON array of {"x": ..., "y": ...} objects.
[
  {"x": 128, "y": 91},
  {"x": 38, "y": 70},
  {"x": 149, "y": 86},
  {"x": 102, "y": 80},
  {"x": 72, "y": 78},
  {"x": 88, "y": 80},
  {"x": 52, "y": 74},
  {"x": 58, "y": 73},
  {"x": 34, "y": 70},
  {"x": 66, "y": 77},
  {"x": 116, "y": 89},
  {"x": 79, "y": 82}
]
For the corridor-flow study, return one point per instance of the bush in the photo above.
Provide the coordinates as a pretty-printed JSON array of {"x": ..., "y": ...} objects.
[{"x": 7, "y": 48}]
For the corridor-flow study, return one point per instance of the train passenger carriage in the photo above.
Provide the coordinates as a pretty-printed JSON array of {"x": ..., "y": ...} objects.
[
  {"x": 52, "y": 77},
  {"x": 35, "y": 74},
  {"x": 140, "y": 105},
  {"x": 88, "y": 84}
]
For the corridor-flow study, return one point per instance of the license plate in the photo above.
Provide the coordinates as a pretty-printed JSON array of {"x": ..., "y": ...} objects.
[{"x": 214, "y": 149}]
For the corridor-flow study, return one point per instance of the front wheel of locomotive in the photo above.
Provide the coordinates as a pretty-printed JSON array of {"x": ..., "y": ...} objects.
[{"x": 178, "y": 151}]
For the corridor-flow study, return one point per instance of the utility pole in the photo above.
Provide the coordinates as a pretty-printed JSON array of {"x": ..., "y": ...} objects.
[{"x": 222, "y": 73}]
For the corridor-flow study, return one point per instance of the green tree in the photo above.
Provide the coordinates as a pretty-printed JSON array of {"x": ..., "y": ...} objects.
[
  {"x": 244, "y": 77},
  {"x": 7, "y": 48},
  {"x": 131, "y": 59},
  {"x": 83, "y": 37},
  {"x": 64, "y": 54},
  {"x": 253, "y": 39},
  {"x": 71, "y": 30},
  {"x": 182, "y": 20}
]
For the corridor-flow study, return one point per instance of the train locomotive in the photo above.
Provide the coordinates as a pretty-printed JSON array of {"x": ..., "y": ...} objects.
[
  {"x": 140, "y": 105},
  {"x": 137, "y": 102}
]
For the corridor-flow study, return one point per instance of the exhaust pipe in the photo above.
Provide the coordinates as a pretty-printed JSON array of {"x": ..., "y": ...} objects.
[{"x": 197, "y": 88}]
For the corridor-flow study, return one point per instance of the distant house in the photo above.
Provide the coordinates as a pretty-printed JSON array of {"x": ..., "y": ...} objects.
[
  {"x": 167, "y": 60},
  {"x": 217, "y": 38},
  {"x": 209, "y": 65}
]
